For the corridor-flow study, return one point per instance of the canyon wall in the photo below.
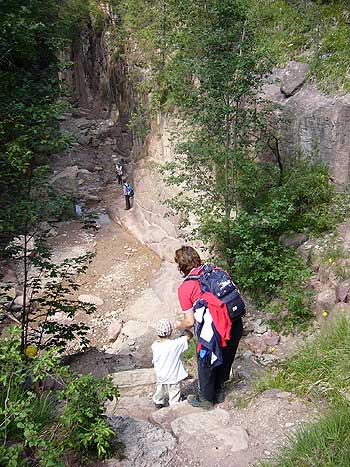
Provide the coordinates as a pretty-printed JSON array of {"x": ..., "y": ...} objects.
[{"x": 312, "y": 122}]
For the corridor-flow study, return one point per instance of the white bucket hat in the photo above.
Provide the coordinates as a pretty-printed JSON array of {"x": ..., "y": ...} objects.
[{"x": 164, "y": 328}]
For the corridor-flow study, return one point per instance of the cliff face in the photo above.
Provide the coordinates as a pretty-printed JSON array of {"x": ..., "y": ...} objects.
[
  {"x": 312, "y": 122},
  {"x": 99, "y": 82}
]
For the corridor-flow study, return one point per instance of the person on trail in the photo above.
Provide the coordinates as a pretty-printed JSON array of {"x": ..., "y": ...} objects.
[
  {"x": 168, "y": 365},
  {"x": 128, "y": 192},
  {"x": 119, "y": 171},
  {"x": 214, "y": 326}
]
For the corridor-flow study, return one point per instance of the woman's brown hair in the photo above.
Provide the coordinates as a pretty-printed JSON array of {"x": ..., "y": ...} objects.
[{"x": 187, "y": 258}]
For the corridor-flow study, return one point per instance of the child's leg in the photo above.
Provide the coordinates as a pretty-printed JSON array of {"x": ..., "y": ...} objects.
[
  {"x": 174, "y": 393},
  {"x": 159, "y": 395}
]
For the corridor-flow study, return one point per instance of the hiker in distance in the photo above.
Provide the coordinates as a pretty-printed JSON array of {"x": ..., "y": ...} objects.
[
  {"x": 211, "y": 302},
  {"x": 119, "y": 171},
  {"x": 128, "y": 193}
]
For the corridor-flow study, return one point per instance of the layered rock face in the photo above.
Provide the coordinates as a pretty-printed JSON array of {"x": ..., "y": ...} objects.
[
  {"x": 312, "y": 122},
  {"x": 149, "y": 220}
]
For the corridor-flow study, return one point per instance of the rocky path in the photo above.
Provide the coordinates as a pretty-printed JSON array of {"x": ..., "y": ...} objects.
[{"x": 132, "y": 289}]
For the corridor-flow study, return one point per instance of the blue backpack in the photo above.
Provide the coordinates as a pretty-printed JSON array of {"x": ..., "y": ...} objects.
[
  {"x": 220, "y": 284},
  {"x": 130, "y": 190}
]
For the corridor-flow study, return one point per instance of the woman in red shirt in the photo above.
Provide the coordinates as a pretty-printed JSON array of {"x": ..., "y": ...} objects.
[{"x": 210, "y": 380}]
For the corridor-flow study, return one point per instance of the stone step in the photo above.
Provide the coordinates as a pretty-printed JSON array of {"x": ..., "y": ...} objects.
[{"x": 132, "y": 378}]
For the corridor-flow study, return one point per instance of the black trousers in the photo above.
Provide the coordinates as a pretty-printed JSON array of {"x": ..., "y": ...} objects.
[
  {"x": 211, "y": 380},
  {"x": 127, "y": 202}
]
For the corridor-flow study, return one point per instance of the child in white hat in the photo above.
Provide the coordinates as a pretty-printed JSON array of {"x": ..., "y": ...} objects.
[{"x": 168, "y": 364}]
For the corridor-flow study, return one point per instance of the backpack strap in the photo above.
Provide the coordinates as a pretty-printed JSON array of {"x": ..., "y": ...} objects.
[{"x": 195, "y": 277}]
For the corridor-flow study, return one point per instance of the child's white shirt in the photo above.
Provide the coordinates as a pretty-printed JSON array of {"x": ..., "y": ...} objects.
[{"x": 167, "y": 361}]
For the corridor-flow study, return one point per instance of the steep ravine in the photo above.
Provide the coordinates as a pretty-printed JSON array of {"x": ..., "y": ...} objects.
[
  {"x": 133, "y": 289},
  {"x": 137, "y": 282}
]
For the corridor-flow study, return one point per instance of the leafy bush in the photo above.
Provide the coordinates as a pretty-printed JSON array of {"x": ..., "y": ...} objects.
[
  {"x": 301, "y": 199},
  {"x": 39, "y": 425}
]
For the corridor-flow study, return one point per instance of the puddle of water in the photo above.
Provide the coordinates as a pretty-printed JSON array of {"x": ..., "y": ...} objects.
[{"x": 78, "y": 209}]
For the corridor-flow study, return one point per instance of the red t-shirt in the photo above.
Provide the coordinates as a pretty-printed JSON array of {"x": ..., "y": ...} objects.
[{"x": 189, "y": 291}]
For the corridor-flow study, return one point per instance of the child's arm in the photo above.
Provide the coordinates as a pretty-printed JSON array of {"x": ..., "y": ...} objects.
[{"x": 189, "y": 334}]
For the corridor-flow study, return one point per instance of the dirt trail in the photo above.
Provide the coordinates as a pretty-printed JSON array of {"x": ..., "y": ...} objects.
[{"x": 119, "y": 273}]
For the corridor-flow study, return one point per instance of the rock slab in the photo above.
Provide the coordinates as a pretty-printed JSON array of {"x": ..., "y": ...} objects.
[
  {"x": 131, "y": 378},
  {"x": 145, "y": 444},
  {"x": 92, "y": 299},
  {"x": 210, "y": 437}
]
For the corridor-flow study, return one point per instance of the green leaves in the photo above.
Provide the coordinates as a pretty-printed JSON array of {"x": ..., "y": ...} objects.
[{"x": 39, "y": 425}]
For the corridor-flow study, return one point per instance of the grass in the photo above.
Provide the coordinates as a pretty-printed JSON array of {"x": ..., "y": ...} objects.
[
  {"x": 191, "y": 352},
  {"x": 325, "y": 444},
  {"x": 307, "y": 31},
  {"x": 319, "y": 370}
]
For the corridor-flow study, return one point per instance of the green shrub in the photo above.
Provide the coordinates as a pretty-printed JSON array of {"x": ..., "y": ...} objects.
[{"x": 39, "y": 425}]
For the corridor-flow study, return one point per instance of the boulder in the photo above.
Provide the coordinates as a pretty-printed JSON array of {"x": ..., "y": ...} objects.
[
  {"x": 165, "y": 416},
  {"x": 134, "y": 329},
  {"x": 294, "y": 240},
  {"x": 114, "y": 330},
  {"x": 66, "y": 181},
  {"x": 145, "y": 444},
  {"x": 210, "y": 437},
  {"x": 326, "y": 299},
  {"x": 342, "y": 291},
  {"x": 92, "y": 299},
  {"x": 293, "y": 78}
]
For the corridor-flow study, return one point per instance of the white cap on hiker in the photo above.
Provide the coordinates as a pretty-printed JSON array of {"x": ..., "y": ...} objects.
[{"x": 164, "y": 328}]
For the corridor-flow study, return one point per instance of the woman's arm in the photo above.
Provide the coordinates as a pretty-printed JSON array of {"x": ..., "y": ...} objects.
[{"x": 187, "y": 322}]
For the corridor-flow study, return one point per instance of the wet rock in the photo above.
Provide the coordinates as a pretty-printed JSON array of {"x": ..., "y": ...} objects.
[
  {"x": 90, "y": 299},
  {"x": 342, "y": 291},
  {"x": 293, "y": 78},
  {"x": 114, "y": 330},
  {"x": 145, "y": 444}
]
